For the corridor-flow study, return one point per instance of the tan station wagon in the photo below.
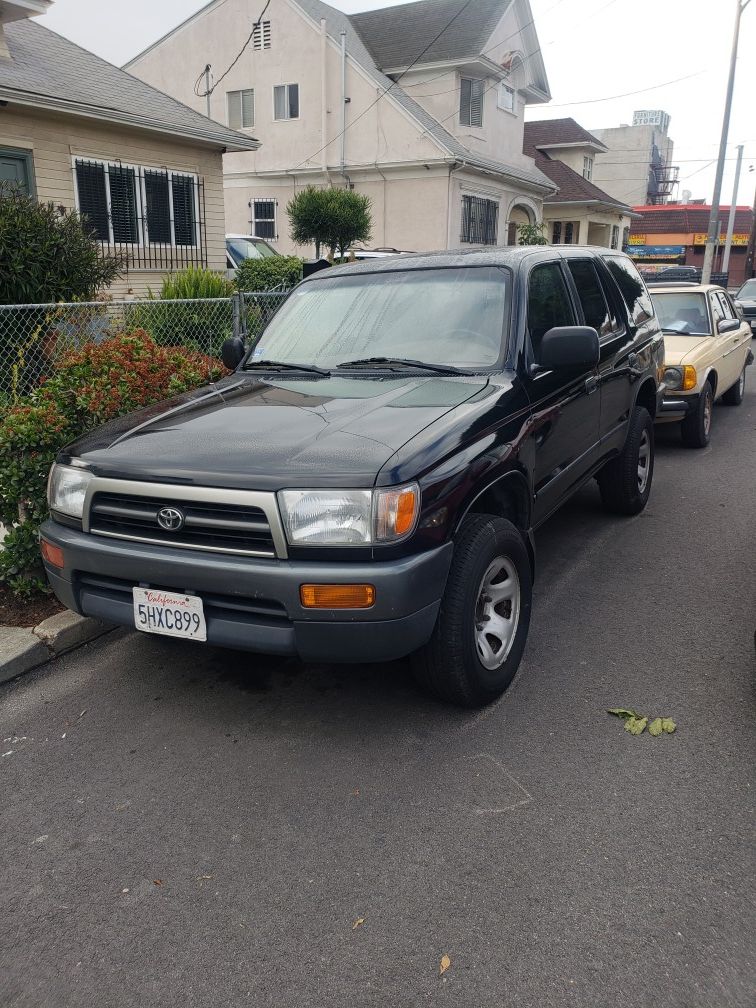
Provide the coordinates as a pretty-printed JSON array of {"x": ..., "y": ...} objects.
[{"x": 707, "y": 347}]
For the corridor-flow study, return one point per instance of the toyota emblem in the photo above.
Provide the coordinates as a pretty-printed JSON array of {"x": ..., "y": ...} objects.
[{"x": 170, "y": 519}]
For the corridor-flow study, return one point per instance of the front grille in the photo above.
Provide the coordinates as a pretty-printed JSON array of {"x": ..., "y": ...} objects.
[{"x": 220, "y": 527}]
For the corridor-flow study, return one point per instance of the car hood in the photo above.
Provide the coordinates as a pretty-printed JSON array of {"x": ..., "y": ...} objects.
[
  {"x": 246, "y": 432},
  {"x": 678, "y": 348}
]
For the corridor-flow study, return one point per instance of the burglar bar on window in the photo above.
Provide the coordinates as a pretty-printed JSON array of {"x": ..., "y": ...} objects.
[{"x": 154, "y": 216}]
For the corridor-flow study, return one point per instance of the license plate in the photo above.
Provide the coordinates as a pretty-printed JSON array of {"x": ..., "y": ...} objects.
[{"x": 168, "y": 613}]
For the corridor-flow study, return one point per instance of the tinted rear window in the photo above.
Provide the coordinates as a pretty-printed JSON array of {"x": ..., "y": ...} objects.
[{"x": 631, "y": 286}]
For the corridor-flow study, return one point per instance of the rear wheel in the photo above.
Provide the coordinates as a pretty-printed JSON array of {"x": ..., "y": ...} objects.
[
  {"x": 696, "y": 427},
  {"x": 482, "y": 626},
  {"x": 734, "y": 396},
  {"x": 625, "y": 482}
]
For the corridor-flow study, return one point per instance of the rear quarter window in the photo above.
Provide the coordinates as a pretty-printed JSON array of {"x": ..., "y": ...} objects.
[{"x": 632, "y": 288}]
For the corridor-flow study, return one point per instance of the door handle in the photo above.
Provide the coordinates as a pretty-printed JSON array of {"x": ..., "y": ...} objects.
[
  {"x": 591, "y": 384},
  {"x": 632, "y": 360}
]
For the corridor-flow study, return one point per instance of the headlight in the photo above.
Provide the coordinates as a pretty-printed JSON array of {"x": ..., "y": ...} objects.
[
  {"x": 680, "y": 379},
  {"x": 349, "y": 517},
  {"x": 673, "y": 378},
  {"x": 66, "y": 490}
]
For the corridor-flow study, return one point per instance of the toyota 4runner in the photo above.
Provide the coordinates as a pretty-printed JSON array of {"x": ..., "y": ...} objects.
[{"x": 365, "y": 485}]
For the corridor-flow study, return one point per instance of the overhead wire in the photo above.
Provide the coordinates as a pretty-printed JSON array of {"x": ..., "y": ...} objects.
[
  {"x": 393, "y": 83},
  {"x": 206, "y": 94}
]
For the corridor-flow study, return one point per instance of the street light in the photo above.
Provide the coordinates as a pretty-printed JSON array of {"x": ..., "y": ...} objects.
[{"x": 712, "y": 240}]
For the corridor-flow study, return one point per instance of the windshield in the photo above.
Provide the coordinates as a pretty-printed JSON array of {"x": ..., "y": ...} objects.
[
  {"x": 683, "y": 312},
  {"x": 748, "y": 290},
  {"x": 440, "y": 316},
  {"x": 249, "y": 248}
]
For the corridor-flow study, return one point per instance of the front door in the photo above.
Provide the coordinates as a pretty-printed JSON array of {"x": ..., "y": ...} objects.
[
  {"x": 566, "y": 408},
  {"x": 16, "y": 169}
]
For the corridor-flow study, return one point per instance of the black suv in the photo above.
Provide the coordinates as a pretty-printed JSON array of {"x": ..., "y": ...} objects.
[{"x": 366, "y": 483}]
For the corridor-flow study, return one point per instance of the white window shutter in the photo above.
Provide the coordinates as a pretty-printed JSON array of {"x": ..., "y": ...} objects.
[{"x": 235, "y": 109}]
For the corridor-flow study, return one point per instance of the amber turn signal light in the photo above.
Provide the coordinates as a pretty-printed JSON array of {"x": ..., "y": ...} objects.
[
  {"x": 355, "y": 596},
  {"x": 53, "y": 554},
  {"x": 689, "y": 378}
]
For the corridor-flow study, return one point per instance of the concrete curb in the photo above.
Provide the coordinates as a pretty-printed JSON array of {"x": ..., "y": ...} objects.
[{"x": 25, "y": 648}]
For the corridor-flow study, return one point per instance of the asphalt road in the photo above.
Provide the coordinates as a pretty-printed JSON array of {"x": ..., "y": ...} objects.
[{"x": 190, "y": 827}]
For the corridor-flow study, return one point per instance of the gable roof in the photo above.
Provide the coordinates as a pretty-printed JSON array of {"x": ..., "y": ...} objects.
[
  {"x": 395, "y": 36},
  {"x": 548, "y": 133},
  {"x": 48, "y": 71},
  {"x": 337, "y": 22},
  {"x": 573, "y": 188}
]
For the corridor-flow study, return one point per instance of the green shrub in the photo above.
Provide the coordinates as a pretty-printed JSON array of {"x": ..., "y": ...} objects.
[
  {"x": 48, "y": 254},
  {"x": 269, "y": 273},
  {"x": 89, "y": 386},
  {"x": 195, "y": 282}
]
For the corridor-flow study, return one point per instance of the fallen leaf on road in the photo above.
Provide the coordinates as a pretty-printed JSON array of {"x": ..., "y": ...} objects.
[
  {"x": 668, "y": 725},
  {"x": 655, "y": 728},
  {"x": 157, "y": 881},
  {"x": 622, "y": 712},
  {"x": 445, "y": 964},
  {"x": 358, "y": 923},
  {"x": 636, "y": 725}
]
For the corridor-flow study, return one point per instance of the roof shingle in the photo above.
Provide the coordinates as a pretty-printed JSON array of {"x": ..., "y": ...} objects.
[
  {"x": 687, "y": 218},
  {"x": 47, "y": 70},
  {"x": 395, "y": 36}
]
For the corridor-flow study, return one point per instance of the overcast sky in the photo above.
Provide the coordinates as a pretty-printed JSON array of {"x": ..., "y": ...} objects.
[{"x": 594, "y": 50}]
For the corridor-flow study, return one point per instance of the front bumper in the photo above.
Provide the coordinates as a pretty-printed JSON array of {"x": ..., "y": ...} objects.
[
  {"x": 253, "y": 604},
  {"x": 676, "y": 407}
]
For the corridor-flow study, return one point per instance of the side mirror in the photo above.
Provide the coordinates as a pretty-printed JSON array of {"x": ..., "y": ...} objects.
[
  {"x": 739, "y": 305},
  {"x": 728, "y": 325},
  {"x": 232, "y": 353},
  {"x": 569, "y": 348}
]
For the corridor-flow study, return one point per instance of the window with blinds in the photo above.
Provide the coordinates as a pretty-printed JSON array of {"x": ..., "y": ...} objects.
[
  {"x": 480, "y": 220},
  {"x": 241, "y": 108},
  {"x": 471, "y": 101},
  {"x": 261, "y": 35},
  {"x": 142, "y": 208},
  {"x": 264, "y": 218}
]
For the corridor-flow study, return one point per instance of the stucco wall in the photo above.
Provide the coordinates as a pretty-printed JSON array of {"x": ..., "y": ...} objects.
[
  {"x": 55, "y": 140},
  {"x": 595, "y": 227}
]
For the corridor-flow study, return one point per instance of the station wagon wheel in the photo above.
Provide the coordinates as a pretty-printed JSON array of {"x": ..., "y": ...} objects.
[
  {"x": 483, "y": 621},
  {"x": 696, "y": 427},
  {"x": 625, "y": 481},
  {"x": 734, "y": 396}
]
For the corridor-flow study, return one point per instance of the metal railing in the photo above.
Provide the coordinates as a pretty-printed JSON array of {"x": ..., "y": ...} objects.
[{"x": 33, "y": 338}]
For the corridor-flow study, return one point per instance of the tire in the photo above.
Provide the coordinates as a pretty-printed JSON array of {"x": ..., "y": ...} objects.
[
  {"x": 696, "y": 427},
  {"x": 488, "y": 552},
  {"x": 625, "y": 482},
  {"x": 734, "y": 396}
]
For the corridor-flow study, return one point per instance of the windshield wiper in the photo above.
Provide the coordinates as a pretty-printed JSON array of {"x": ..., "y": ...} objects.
[
  {"x": 397, "y": 363},
  {"x": 271, "y": 365}
]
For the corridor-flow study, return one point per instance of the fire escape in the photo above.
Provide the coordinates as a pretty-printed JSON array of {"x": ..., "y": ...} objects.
[{"x": 662, "y": 179}]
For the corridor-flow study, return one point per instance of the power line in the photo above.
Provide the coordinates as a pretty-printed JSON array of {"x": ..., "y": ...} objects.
[
  {"x": 206, "y": 94},
  {"x": 432, "y": 42}
]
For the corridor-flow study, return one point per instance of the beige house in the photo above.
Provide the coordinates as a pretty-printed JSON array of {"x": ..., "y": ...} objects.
[
  {"x": 579, "y": 213},
  {"x": 420, "y": 109},
  {"x": 77, "y": 131}
]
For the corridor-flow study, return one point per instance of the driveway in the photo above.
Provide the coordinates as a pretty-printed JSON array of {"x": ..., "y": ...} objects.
[{"x": 191, "y": 827}]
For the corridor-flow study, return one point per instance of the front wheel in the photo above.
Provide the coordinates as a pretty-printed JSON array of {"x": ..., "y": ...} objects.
[
  {"x": 625, "y": 482},
  {"x": 482, "y": 626},
  {"x": 696, "y": 427},
  {"x": 734, "y": 396}
]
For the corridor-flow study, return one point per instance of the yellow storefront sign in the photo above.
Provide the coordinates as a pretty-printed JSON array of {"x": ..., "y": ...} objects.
[
  {"x": 737, "y": 239},
  {"x": 636, "y": 239}
]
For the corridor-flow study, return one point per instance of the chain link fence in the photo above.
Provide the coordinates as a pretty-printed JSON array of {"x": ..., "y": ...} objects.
[{"x": 34, "y": 337}]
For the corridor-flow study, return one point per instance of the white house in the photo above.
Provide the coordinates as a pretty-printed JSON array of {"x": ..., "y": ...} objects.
[{"x": 419, "y": 106}]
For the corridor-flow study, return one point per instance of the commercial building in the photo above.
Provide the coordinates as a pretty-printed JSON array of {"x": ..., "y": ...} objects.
[{"x": 637, "y": 167}]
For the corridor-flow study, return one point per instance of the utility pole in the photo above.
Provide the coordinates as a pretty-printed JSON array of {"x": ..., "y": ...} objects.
[
  {"x": 208, "y": 68},
  {"x": 731, "y": 219},
  {"x": 712, "y": 240}
]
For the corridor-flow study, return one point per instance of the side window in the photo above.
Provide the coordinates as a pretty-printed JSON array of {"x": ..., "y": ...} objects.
[
  {"x": 727, "y": 308},
  {"x": 549, "y": 303},
  {"x": 631, "y": 286},
  {"x": 716, "y": 308},
  {"x": 591, "y": 295}
]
